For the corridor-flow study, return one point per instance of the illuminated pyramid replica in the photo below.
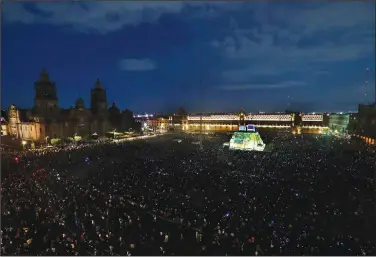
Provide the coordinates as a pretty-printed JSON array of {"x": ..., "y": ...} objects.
[{"x": 247, "y": 139}]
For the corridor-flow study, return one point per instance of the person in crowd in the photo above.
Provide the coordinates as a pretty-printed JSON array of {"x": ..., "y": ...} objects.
[{"x": 309, "y": 196}]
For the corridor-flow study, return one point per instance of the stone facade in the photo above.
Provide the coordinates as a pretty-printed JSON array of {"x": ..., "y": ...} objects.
[
  {"x": 231, "y": 122},
  {"x": 46, "y": 120},
  {"x": 4, "y": 127},
  {"x": 20, "y": 124},
  {"x": 366, "y": 123},
  {"x": 77, "y": 120}
]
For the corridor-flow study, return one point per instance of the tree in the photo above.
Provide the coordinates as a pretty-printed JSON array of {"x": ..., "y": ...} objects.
[{"x": 128, "y": 122}]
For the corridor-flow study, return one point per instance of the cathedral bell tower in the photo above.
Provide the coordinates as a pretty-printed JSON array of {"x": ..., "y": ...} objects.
[
  {"x": 46, "y": 101},
  {"x": 80, "y": 104},
  {"x": 98, "y": 101},
  {"x": 14, "y": 120},
  {"x": 98, "y": 105}
]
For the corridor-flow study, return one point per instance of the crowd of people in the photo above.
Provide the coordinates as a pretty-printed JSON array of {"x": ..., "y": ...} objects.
[{"x": 309, "y": 196}]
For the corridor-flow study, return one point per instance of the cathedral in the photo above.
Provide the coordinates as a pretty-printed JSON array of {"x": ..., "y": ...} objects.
[{"x": 46, "y": 120}]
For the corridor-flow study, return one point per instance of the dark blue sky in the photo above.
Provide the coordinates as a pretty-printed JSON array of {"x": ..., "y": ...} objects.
[{"x": 157, "y": 56}]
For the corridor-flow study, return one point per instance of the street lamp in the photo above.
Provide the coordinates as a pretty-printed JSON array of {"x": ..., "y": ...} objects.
[{"x": 24, "y": 144}]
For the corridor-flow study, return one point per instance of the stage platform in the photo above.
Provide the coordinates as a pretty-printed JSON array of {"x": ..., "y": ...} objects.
[{"x": 247, "y": 141}]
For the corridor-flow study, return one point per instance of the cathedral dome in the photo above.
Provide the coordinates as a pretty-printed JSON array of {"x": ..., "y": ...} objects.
[{"x": 80, "y": 104}]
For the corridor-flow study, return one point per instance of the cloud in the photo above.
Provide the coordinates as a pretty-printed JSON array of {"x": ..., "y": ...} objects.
[
  {"x": 104, "y": 17},
  {"x": 100, "y": 17},
  {"x": 137, "y": 65},
  {"x": 240, "y": 46},
  {"x": 16, "y": 12},
  {"x": 327, "y": 16},
  {"x": 285, "y": 39},
  {"x": 241, "y": 87}
]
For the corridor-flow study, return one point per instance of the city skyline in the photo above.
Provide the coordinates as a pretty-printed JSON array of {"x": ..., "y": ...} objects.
[{"x": 218, "y": 57}]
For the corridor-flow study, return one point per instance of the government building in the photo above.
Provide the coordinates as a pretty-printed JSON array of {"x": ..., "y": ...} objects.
[
  {"x": 46, "y": 120},
  {"x": 308, "y": 123},
  {"x": 365, "y": 126}
]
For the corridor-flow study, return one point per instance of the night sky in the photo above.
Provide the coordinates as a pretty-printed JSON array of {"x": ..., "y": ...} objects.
[{"x": 157, "y": 56}]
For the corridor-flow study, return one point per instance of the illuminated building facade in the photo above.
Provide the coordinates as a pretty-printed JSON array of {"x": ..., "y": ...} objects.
[
  {"x": 143, "y": 117},
  {"x": 304, "y": 123},
  {"x": 158, "y": 124},
  {"x": 231, "y": 122},
  {"x": 46, "y": 120},
  {"x": 366, "y": 123},
  {"x": 162, "y": 122},
  {"x": 77, "y": 120},
  {"x": 307, "y": 123},
  {"x": 21, "y": 125},
  {"x": 339, "y": 122},
  {"x": 176, "y": 121},
  {"x": 4, "y": 123},
  {"x": 312, "y": 123}
]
